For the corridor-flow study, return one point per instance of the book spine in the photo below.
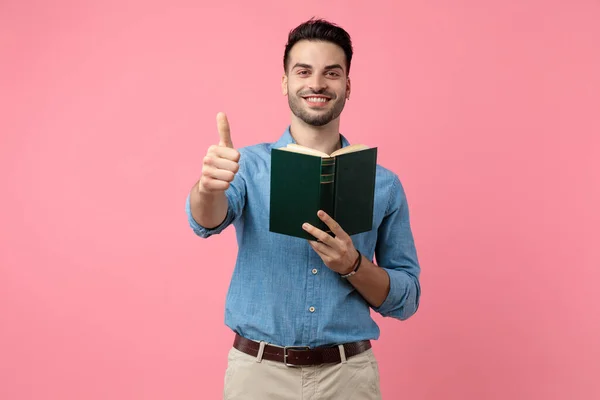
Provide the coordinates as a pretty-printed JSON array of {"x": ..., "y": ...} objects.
[{"x": 327, "y": 188}]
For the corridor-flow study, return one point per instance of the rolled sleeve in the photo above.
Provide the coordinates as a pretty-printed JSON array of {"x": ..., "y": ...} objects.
[
  {"x": 204, "y": 232},
  {"x": 396, "y": 253},
  {"x": 236, "y": 194},
  {"x": 403, "y": 299}
]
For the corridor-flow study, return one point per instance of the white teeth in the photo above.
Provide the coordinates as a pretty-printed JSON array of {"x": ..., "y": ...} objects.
[{"x": 317, "y": 99}]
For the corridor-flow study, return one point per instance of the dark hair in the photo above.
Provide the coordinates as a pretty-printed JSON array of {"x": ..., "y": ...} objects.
[{"x": 319, "y": 30}]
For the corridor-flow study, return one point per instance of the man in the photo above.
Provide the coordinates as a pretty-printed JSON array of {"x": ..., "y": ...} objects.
[{"x": 300, "y": 309}]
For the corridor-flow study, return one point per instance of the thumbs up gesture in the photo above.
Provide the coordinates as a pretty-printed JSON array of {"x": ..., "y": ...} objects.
[{"x": 221, "y": 161}]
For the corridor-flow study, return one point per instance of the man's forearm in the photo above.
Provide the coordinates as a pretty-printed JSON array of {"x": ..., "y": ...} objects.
[
  {"x": 208, "y": 208},
  {"x": 372, "y": 282}
]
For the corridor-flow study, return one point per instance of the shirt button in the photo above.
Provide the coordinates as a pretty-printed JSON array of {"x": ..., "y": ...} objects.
[
  {"x": 314, "y": 271},
  {"x": 311, "y": 309}
]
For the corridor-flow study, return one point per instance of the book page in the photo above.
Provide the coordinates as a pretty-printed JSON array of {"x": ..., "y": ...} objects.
[
  {"x": 349, "y": 149},
  {"x": 296, "y": 148}
]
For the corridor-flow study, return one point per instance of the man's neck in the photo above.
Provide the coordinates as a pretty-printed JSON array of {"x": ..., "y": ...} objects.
[{"x": 324, "y": 138}]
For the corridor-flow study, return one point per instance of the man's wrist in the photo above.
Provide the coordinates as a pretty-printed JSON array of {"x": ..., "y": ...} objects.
[{"x": 354, "y": 268}]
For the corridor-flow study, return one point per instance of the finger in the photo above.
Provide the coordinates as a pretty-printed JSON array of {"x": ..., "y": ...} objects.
[
  {"x": 224, "y": 131},
  {"x": 213, "y": 185},
  {"x": 321, "y": 236},
  {"x": 222, "y": 163},
  {"x": 225, "y": 152},
  {"x": 331, "y": 224},
  {"x": 219, "y": 174},
  {"x": 322, "y": 249}
]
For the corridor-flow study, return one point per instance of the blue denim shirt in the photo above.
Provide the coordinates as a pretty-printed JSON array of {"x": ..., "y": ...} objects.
[{"x": 281, "y": 292}]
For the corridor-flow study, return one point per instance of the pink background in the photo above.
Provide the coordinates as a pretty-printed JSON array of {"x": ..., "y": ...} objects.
[{"x": 488, "y": 111}]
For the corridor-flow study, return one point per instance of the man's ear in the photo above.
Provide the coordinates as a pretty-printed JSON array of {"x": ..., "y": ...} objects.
[
  {"x": 348, "y": 88},
  {"x": 284, "y": 81}
]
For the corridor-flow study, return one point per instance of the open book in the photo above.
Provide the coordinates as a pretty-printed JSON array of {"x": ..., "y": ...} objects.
[
  {"x": 296, "y": 148},
  {"x": 305, "y": 180}
]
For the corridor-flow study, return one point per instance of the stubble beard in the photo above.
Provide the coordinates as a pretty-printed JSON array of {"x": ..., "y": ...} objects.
[{"x": 318, "y": 118}]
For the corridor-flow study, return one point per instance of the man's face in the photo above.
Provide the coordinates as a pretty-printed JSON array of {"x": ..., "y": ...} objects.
[{"x": 316, "y": 82}]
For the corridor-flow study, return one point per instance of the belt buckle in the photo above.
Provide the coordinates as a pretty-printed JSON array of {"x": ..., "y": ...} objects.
[{"x": 285, "y": 354}]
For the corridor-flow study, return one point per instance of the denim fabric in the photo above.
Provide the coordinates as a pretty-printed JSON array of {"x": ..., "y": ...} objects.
[{"x": 281, "y": 292}]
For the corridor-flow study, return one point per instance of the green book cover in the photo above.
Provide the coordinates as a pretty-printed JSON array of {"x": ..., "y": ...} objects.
[{"x": 304, "y": 181}]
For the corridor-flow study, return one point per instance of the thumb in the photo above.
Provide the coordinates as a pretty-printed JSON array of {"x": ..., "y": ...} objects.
[{"x": 224, "y": 131}]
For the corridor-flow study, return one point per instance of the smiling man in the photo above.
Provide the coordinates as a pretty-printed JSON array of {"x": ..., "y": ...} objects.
[
  {"x": 327, "y": 95},
  {"x": 300, "y": 310}
]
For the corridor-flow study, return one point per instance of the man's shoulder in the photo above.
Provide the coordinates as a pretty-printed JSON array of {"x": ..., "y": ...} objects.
[
  {"x": 255, "y": 156},
  {"x": 386, "y": 175},
  {"x": 257, "y": 150},
  {"x": 389, "y": 185},
  {"x": 263, "y": 149}
]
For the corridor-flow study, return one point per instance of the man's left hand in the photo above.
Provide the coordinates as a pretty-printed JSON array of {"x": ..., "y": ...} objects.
[{"x": 338, "y": 252}]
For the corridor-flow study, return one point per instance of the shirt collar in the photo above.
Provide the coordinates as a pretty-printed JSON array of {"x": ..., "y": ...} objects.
[{"x": 287, "y": 138}]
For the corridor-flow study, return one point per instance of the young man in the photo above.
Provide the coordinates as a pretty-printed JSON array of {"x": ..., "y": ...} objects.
[{"x": 300, "y": 309}]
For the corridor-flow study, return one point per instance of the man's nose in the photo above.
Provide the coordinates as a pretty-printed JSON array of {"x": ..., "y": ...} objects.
[{"x": 317, "y": 83}]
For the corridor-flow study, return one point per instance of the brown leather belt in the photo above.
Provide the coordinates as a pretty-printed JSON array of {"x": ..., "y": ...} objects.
[{"x": 300, "y": 356}]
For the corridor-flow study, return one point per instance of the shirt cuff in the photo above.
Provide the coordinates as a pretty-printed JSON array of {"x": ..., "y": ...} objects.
[
  {"x": 402, "y": 300},
  {"x": 203, "y": 231}
]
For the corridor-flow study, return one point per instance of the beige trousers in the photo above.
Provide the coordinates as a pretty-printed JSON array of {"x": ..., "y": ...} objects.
[{"x": 250, "y": 378}]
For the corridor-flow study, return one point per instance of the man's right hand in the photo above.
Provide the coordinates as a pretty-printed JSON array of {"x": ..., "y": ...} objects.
[{"x": 221, "y": 161}]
